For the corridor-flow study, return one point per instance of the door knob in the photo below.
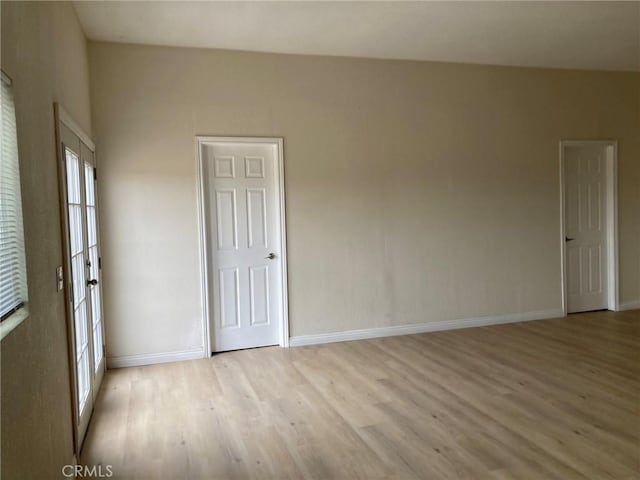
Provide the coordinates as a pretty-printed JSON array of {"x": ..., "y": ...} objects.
[
  {"x": 271, "y": 256},
  {"x": 567, "y": 239},
  {"x": 93, "y": 281}
]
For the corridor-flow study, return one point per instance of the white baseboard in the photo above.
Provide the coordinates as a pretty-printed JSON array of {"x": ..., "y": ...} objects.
[
  {"x": 152, "y": 358},
  {"x": 629, "y": 306},
  {"x": 421, "y": 328}
]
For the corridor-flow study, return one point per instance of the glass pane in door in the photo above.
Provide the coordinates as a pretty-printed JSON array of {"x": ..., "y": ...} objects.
[
  {"x": 78, "y": 265},
  {"x": 92, "y": 240}
]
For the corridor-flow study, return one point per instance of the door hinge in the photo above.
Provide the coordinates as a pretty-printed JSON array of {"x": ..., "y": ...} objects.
[
  {"x": 95, "y": 173},
  {"x": 99, "y": 263}
]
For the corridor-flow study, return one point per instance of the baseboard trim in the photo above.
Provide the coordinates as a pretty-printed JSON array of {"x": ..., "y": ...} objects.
[
  {"x": 629, "y": 306},
  {"x": 366, "y": 333},
  {"x": 153, "y": 358}
]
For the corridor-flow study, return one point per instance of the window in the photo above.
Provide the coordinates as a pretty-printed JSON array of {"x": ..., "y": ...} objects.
[{"x": 13, "y": 278}]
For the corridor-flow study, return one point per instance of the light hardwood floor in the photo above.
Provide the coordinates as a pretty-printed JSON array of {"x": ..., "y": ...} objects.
[{"x": 552, "y": 399}]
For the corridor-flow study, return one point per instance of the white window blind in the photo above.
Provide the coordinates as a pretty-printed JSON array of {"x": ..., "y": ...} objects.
[{"x": 13, "y": 283}]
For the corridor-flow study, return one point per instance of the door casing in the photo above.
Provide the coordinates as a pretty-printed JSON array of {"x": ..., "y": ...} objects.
[
  {"x": 278, "y": 142},
  {"x": 611, "y": 212}
]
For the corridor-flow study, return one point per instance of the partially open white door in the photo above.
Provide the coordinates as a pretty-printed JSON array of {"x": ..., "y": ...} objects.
[
  {"x": 586, "y": 239},
  {"x": 244, "y": 241}
]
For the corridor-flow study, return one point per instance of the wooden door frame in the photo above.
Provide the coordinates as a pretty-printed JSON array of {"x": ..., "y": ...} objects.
[
  {"x": 611, "y": 212},
  {"x": 205, "y": 282}
]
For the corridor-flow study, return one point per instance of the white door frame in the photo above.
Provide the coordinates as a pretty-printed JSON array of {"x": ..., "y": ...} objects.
[
  {"x": 278, "y": 142},
  {"x": 611, "y": 172}
]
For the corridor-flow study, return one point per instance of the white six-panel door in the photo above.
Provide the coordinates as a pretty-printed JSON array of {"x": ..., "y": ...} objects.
[
  {"x": 585, "y": 227},
  {"x": 241, "y": 191}
]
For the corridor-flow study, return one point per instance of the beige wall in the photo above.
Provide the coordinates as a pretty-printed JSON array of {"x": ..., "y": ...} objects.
[
  {"x": 415, "y": 192},
  {"x": 45, "y": 53}
]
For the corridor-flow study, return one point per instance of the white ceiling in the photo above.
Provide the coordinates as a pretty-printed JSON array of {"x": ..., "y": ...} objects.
[{"x": 589, "y": 35}]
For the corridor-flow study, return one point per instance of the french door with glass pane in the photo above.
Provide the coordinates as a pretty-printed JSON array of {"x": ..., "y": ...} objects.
[{"x": 83, "y": 271}]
